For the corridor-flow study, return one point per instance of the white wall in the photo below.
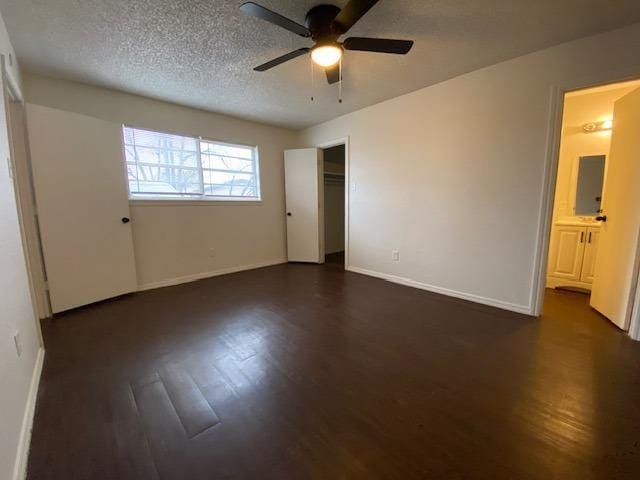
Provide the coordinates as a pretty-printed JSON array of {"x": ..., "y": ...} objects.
[
  {"x": 592, "y": 106},
  {"x": 453, "y": 175},
  {"x": 174, "y": 242},
  {"x": 17, "y": 310}
]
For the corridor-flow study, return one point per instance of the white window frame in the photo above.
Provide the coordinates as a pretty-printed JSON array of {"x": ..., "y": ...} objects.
[{"x": 185, "y": 198}]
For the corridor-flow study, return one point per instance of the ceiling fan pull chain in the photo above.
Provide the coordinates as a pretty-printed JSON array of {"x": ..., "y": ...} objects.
[
  {"x": 312, "y": 89},
  {"x": 340, "y": 81}
]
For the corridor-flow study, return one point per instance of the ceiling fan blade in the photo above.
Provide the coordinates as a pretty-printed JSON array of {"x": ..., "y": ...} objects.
[
  {"x": 259, "y": 11},
  {"x": 333, "y": 74},
  {"x": 351, "y": 13},
  {"x": 284, "y": 58},
  {"x": 380, "y": 45}
]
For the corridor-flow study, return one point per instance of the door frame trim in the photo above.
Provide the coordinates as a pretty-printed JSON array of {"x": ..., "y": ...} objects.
[
  {"x": 23, "y": 188},
  {"x": 545, "y": 211},
  {"x": 347, "y": 188}
]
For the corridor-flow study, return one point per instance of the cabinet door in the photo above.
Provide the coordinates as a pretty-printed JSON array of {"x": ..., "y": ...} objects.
[
  {"x": 590, "y": 251},
  {"x": 567, "y": 249}
]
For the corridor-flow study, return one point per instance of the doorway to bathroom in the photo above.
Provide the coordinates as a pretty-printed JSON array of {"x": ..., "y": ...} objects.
[{"x": 593, "y": 246}]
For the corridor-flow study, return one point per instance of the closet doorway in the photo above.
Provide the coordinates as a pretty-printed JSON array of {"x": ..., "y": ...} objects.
[{"x": 334, "y": 204}]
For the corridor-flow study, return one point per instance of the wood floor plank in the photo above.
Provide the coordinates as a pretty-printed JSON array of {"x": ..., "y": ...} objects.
[
  {"x": 132, "y": 451},
  {"x": 195, "y": 413},
  {"x": 163, "y": 427}
]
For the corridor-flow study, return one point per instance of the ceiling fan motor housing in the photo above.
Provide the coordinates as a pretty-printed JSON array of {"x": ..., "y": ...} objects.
[{"x": 319, "y": 21}]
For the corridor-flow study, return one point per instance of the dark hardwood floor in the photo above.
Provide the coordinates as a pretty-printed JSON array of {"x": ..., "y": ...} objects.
[
  {"x": 310, "y": 372},
  {"x": 337, "y": 258}
]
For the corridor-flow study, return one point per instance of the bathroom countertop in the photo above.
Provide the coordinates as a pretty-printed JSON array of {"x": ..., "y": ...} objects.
[{"x": 577, "y": 222}]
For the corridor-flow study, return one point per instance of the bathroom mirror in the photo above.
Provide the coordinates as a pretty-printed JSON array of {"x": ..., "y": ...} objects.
[{"x": 589, "y": 185}]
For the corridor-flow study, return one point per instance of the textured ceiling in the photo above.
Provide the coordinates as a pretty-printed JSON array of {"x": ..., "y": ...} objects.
[{"x": 201, "y": 53}]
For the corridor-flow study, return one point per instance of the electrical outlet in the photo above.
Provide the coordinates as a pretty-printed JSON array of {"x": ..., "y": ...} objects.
[
  {"x": 212, "y": 252},
  {"x": 354, "y": 187},
  {"x": 18, "y": 343},
  {"x": 395, "y": 255}
]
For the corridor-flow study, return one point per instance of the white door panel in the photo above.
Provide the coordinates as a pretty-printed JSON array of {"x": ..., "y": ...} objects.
[
  {"x": 81, "y": 192},
  {"x": 305, "y": 224},
  {"x": 616, "y": 261}
]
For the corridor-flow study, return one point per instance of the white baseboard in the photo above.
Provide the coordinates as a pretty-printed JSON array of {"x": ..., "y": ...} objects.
[
  {"x": 22, "y": 456},
  {"x": 213, "y": 273},
  {"x": 512, "y": 307}
]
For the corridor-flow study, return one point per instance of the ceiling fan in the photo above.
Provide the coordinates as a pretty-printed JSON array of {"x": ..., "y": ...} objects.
[{"x": 325, "y": 24}]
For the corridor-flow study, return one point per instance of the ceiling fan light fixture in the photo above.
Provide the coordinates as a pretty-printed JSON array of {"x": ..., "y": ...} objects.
[{"x": 326, "y": 55}]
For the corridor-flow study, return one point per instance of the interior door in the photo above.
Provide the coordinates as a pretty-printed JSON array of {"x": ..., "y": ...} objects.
[
  {"x": 82, "y": 200},
  {"x": 616, "y": 261},
  {"x": 304, "y": 181}
]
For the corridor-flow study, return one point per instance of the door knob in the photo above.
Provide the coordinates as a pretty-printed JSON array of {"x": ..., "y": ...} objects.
[
  {"x": 125, "y": 220},
  {"x": 601, "y": 218},
  {"x": 288, "y": 214}
]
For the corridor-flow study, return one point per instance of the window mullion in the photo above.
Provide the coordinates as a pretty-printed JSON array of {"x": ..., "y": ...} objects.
[
  {"x": 256, "y": 171},
  {"x": 200, "y": 170}
]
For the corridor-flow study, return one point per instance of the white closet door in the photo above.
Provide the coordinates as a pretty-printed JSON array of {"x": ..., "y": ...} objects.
[
  {"x": 81, "y": 193},
  {"x": 304, "y": 186}
]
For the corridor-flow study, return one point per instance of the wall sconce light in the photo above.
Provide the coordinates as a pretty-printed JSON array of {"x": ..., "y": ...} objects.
[{"x": 597, "y": 126}]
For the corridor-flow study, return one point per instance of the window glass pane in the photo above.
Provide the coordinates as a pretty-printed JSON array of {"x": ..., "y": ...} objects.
[
  {"x": 230, "y": 191},
  {"x": 244, "y": 192},
  {"x": 227, "y": 163},
  {"x": 226, "y": 150},
  {"x": 145, "y": 138},
  {"x": 176, "y": 158},
  {"x": 226, "y": 178},
  {"x": 150, "y": 147},
  {"x": 164, "y": 180}
]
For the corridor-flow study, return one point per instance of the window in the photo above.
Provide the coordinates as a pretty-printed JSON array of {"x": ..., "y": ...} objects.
[{"x": 163, "y": 165}]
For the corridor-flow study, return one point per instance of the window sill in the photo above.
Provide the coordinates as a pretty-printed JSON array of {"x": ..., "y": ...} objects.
[{"x": 174, "y": 202}]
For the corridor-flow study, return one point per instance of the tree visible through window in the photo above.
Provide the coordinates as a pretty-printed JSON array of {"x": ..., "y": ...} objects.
[{"x": 166, "y": 165}]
